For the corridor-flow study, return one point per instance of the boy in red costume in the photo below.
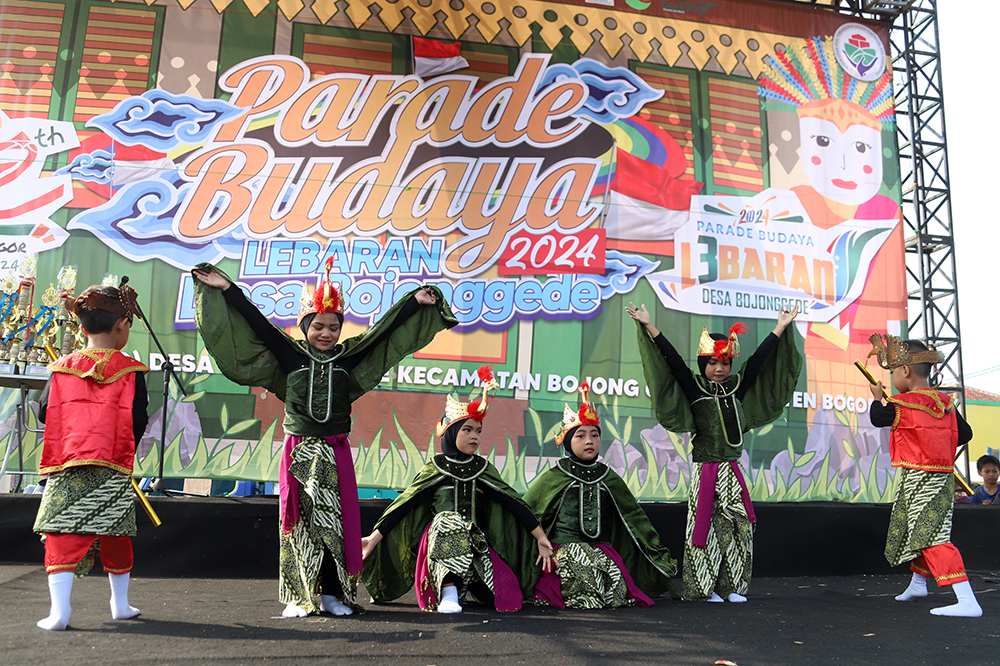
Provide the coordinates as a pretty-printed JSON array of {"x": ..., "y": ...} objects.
[
  {"x": 94, "y": 408},
  {"x": 926, "y": 430}
]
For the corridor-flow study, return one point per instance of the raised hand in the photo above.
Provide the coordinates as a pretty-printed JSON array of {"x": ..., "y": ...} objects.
[
  {"x": 640, "y": 315},
  {"x": 426, "y": 296},
  {"x": 785, "y": 318},
  {"x": 211, "y": 278}
]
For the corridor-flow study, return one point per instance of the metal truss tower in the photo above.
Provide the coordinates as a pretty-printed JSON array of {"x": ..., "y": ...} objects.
[{"x": 932, "y": 281}]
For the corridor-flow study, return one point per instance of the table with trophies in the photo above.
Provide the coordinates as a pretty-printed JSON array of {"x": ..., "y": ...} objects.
[{"x": 30, "y": 336}]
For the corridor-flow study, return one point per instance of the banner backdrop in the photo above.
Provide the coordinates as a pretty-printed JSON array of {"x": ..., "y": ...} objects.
[{"x": 543, "y": 163}]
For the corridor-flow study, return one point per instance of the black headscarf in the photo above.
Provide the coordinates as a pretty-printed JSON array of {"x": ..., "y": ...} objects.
[
  {"x": 304, "y": 324},
  {"x": 703, "y": 360},
  {"x": 448, "y": 441},
  {"x": 568, "y": 447}
]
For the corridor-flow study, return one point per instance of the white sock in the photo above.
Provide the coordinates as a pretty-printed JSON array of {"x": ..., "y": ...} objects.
[
  {"x": 331, "y": 605},
  {"x": 917, "y": 589},
  {"x": 736, "y": 598},
  {"x": 291, "y": 610},
  {"x": 715, "y": 599},
  {"x": 967, "y": 605},
  {"x": 60, "y": 587},
  {"x": 120, "y": 610},
  {"x": 449, "y": 600}
]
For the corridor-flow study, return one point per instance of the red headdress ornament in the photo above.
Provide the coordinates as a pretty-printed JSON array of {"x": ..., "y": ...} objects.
[
  {"x": 585, "y": 415},
  {"x": 724, "y": 350},
  {"x": 455, "y": 409},
  {"x": 325, "y": 299}
]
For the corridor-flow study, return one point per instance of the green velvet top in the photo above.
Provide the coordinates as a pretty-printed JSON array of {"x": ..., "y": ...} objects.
[
  {"x": 718, "y": 413},
  {"x": 591, "y": 504},
  {"x": 470, "y": 487},
  {"x": 316, "y": 386}
]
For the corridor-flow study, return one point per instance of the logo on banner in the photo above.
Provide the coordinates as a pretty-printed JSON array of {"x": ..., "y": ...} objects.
[
  {"x": 859, "y": 51},
  {"x": 750, "y": 257}
]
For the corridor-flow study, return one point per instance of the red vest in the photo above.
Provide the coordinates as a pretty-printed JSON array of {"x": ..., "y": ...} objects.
[
  {"x": 925, "y": 434},
  {"x": 88, "y": 420}
]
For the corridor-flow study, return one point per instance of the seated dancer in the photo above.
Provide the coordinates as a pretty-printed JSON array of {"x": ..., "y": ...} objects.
[
  {"x": 458, "y": 527},
  {"x": 718, "y": 407},
  {"x": 94, "y": 410},
  {"x": 607, "y": 552},
  {"x": 318, "y": 379}
]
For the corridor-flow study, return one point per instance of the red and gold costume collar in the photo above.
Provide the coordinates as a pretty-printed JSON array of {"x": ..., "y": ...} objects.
[
  {"x": 104, "y": 366},
  {"x": 927, "y": 400}
]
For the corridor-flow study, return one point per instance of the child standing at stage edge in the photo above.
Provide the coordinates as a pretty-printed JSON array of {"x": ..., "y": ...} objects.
[
  {"x": 718, "y": 407},
  {"x": 989, "y": 468},
  {"x": 317, "y": 378},
  {"x": 94, "y": 410},
  {"x": 926, "y": 431}
]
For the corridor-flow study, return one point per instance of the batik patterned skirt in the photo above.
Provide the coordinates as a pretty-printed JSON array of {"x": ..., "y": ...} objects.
[
  {"x": 457, "y": 547},
  {"x": 589, "y": 578},
  {"x": 89, "y": 499},
  {"x": 725, "y": 564},
  {"x": 921, "y": 514},
  {"x": 319, "y": 529}
]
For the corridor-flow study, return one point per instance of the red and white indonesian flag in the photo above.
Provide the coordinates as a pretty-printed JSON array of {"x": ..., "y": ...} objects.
[
  {"x": 645, "y": 201},
  {"x": 431, "y": 57}
]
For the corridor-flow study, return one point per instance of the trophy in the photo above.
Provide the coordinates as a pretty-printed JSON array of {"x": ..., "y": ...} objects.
[
  {"x": 42, "y": 329},
  {"x": 8, "y": 298},
  {"x": 23, "y": 310},
  {"x": 65, "y": 320}
]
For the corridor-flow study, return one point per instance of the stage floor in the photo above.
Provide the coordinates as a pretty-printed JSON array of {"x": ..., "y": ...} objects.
[{"x": 786, "y": 622}]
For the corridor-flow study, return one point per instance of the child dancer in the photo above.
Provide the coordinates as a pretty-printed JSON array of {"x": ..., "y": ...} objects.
[
  {"x": 318, "y": 379},
  {"x": 718, "y": 407},
  {"x": 926, "y": 431},
  {"x": 458, "y": 526},
  {"x": 94, "y": 410},
  {"x": 607, "y": 552}
]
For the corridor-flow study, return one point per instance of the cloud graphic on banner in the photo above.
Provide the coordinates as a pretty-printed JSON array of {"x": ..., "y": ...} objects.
[
  {"x": 621, "y": 272},
  {"x": 615, "y": 92},
  {"x": 163, "y": 121},
  {"x": 94, "y": 167},
  {"x": 138, "y": 223}
]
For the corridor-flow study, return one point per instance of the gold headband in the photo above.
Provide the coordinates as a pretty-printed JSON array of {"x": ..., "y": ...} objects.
[{"x": 895, "y": 352}]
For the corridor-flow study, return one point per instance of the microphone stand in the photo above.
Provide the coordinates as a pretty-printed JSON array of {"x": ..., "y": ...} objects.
[{"x": 159, "y": 485}]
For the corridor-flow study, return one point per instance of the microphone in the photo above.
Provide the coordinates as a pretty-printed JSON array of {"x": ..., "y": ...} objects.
[{"x": 123, "y": 281}]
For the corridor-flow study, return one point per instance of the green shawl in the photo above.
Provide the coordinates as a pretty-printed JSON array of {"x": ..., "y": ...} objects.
[
  {"x": 390, "y": 568},
  {"x": 632, "y": 535},
  {"x": 763, "y": 403},
  {"x": 244, "y": 359}
]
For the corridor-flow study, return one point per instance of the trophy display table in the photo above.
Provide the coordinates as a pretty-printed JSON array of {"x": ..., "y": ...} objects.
[{"x": 23, "y": 383}]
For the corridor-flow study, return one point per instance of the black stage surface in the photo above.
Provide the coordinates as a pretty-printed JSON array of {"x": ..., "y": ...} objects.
[
  {"x": 206, "y": 584},
  {"x": 217, "y": 537},
  {"x": 786, "y": 622}
]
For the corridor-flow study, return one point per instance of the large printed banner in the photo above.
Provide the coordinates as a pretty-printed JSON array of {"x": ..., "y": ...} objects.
[{"x": 542, "y": 163}]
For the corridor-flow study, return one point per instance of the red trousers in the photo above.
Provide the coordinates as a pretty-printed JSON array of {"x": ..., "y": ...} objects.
[
  {"x": 63, "y": 552},
  {"x": 943, "y": 562}
]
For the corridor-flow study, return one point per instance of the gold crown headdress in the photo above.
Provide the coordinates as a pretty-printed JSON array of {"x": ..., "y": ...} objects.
[
  {"x": 455, "y": 409},
  {"x": 895, "y": 352},
  {"x": 585, "y": 415},
  {"x": 723, "y": 350},
  {"x": 325, "y": 299}
]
